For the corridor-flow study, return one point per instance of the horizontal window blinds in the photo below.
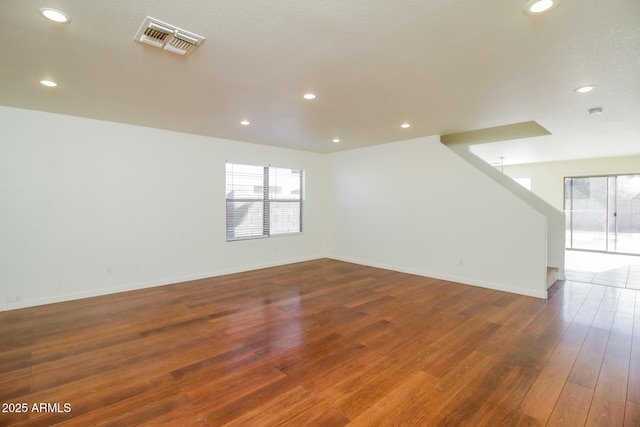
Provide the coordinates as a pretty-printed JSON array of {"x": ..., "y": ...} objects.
[
  {"x": 285, "y": 201},
  {"x": 245, "y": 201},
  {"x": 263, "y": 201}
]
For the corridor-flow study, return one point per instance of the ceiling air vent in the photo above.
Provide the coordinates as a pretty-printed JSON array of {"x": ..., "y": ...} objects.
[{"x": 165, "y": 36}]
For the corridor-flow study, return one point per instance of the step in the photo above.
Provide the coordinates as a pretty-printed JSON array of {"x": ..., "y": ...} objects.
[{"x": 552, "y": 276}]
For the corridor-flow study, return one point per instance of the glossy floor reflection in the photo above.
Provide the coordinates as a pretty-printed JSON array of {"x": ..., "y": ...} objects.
[{"x": 327, "y": 343}]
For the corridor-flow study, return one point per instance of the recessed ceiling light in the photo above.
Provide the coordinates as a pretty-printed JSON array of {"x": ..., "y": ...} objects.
[
  {"x": 245, "y": 123},
  {"x": 596, "y": 111},
  {"x": 335, "y": 140},
  {"x": 405, "y": 125},
  {"x": 535, "y": 7},
  {"x": 309, "y": 96},
  {"x": 48, "y": 83},
  {"x": 54, "y": 15},
  {"x": 585, "y": 89}
]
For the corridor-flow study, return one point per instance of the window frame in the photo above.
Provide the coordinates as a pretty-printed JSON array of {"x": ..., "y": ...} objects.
[{"x": 267, "y": 198}]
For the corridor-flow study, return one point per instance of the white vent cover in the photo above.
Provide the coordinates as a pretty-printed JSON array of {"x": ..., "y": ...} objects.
[{"x": 165, "y": 36}]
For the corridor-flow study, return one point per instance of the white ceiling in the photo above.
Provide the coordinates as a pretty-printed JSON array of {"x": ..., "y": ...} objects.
[{"x": 445, "y": 66}]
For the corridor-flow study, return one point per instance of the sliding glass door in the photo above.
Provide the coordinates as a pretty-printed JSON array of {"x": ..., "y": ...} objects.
[{"x": 603, "y": 213}]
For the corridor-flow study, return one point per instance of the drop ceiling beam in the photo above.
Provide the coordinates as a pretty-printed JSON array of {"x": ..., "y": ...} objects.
[{"x": 497, "y": 133}]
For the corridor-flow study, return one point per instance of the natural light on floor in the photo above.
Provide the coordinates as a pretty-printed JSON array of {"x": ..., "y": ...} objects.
[{"x": 603, "y": 269}]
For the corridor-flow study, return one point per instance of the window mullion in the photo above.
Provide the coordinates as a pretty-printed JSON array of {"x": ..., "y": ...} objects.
[
  {"x": 301, "y": 198},
  {"x": 265, "y": 196}
]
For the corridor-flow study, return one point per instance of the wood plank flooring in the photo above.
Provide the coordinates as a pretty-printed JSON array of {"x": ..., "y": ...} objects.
[{"x": 325, "y": 343}]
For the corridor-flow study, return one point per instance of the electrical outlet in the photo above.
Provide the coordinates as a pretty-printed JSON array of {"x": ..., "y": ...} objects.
[{"x": 12, "y": 299}]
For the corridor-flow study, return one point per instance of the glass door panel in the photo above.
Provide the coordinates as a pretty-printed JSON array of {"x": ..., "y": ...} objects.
[
  {"x": 611, "y": 214},
  {"x": 568, "y": 212},
  {"x": 589, "y": 213},
  {"x": 627, "y": 216}
]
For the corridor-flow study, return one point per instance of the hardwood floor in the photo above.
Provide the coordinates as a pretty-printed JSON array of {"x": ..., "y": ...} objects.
[{"x": 325, "y": 343}]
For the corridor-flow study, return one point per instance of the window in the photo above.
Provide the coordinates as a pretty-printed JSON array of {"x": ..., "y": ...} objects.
[{"x": 263, "y": 201}]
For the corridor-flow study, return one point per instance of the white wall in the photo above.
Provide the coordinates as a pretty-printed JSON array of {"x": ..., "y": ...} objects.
[
  {"x": 415, "y": 206},
  {"x": 92, "y": 207},
  {"x": 555, "y": 218},
  {"x": 547, "y": 179}
]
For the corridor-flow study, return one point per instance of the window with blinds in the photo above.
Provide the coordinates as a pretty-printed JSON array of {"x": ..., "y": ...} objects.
[{"x": 263, "y": 201}]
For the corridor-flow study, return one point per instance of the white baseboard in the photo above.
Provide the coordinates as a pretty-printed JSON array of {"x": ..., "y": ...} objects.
[
  {"x": 178, "y": 279},
  {"x": 495, "y": 286},
  {"x": 51, "y": 299}
]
